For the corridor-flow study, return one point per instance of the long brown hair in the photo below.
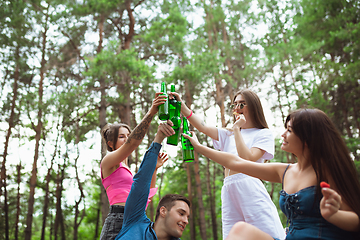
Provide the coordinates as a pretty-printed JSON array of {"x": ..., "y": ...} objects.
[
  {"x": 253, "y": 103},
  {"x": 328, "y": 153},
  {"x": 110, "y": 132}
]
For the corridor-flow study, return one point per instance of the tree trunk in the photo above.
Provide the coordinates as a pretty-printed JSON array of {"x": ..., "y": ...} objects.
[
  {"x": 18, "y": 168},
  {"x": 104, "y": 201},
  {"x": 189, "y": 188},
  {"x": 59, "y": 220},
  {"x": 6, "y": 146},
  {"x": 97, "y": 224},
  {"x": 188, "y": 101},
  {"x": 82, "y": 195},
  {"x": 200, "y": 198},
  {"x": 38, "y": 131},
  {"x": 77, "y": 204},
  {"x": 124, "y": 108},
  {"x": 212, "y": 200},
  {"x": 212, "y": 33},
  {"x": 47, "y": 179},
  {"x": 46, "y": 201},
  {"x": 58, "y": 204},
  {"x": 130, "y": 35},
  {"x": 220, "y": 98},
  {"x": 62, "y": 223}
]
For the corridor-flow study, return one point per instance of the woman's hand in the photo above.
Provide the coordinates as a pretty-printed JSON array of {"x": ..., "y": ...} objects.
[
  {"x": 164, "y": 130},
  {"x": 158, "y": 100},
  {"x": 175, "y": 95},
  {"x": 240, "y": 120},
  {"x": 330, "y": 203},
  {"x": 193, "y": 139},
  {"x": 162, "y": 158}
]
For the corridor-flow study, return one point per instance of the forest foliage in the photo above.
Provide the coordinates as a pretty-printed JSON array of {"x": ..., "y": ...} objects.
[{"x": 69, "y": 67}]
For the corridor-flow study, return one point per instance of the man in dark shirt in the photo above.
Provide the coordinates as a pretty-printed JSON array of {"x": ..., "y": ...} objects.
[{"x": 172, "y": 212}]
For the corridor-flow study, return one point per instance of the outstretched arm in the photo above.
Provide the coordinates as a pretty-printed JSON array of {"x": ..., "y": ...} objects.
[
  {"x": 195, "y": 120},
  {"x": 269, "y": 172},
  {"x": 135, "y": 138}
]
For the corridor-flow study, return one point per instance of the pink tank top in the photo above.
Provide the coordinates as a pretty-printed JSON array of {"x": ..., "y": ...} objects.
[{"x": 118, "y": 185}]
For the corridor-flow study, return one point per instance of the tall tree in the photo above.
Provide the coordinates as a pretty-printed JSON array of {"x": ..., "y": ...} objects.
[
  {"x": 200, "y": 198},
  {"x": 38, "y": 128},
  {"x": 47, "y": 188},
  {"x": 13, "y": 39},
  {"x": 334, "y": 24}
]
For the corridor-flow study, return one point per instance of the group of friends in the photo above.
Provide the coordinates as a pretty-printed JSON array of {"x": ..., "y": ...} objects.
[{"x": 248, "y": 212}]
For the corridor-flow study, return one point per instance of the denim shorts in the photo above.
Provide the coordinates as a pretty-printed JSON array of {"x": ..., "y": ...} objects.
[{"x": 113, "y": 223}]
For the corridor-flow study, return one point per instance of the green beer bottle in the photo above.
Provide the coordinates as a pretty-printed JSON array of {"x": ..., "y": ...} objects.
[
  {"x": 164, "y": 108},
  {"x": 176, "y": 120},
  {"x": 187, "y": 148},
  {"x": 172, "y": 103}
]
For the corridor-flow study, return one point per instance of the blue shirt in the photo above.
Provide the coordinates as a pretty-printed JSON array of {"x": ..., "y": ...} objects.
[{"x": 136, "y": 225}]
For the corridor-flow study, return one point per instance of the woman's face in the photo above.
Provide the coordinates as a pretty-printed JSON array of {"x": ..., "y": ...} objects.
[
  {"x": 239, "y": 105},
  {"x": 291, "y": 142},
  {"x": 122, "y": 138}
]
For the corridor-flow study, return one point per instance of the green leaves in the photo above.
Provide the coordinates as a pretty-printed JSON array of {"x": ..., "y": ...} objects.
[{"x": 111, "y": 65}]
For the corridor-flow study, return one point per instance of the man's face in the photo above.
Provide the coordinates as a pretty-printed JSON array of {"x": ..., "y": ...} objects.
[{"x": 177, "y": 218}]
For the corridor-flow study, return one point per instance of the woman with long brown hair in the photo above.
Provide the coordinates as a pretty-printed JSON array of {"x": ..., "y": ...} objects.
[{"x": 313, "y": 212}]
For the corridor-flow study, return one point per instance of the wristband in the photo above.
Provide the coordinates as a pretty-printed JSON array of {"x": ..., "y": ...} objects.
[{"x": 189, "y": 115}]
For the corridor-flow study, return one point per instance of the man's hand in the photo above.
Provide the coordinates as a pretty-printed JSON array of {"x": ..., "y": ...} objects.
[
  {"x": 164, "y": 130},
  {"x": 162, "y": 158}
]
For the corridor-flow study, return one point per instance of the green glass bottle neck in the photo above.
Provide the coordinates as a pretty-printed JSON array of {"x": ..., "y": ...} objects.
[
  {"x": 163, "y": 88},
  {"x": 178, "y": 109},
  {"x": 185, "y": 125}
]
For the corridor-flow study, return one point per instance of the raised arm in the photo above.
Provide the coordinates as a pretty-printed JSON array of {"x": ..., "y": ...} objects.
[
  {"x": 269, "y": 172},
  {"x": 252, "y": 154},
  {"x": 138, "y": 196},
  {"x": 135, "y": 138},
  {"x": 163, "y": 157},
  {"x": 195, "y": 120}
]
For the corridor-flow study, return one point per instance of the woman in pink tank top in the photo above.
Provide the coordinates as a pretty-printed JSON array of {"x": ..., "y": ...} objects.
[{"x": 115, "y": 173}]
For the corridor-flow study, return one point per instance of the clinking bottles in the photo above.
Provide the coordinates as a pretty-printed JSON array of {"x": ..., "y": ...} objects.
[
  {"x": 176, "y": 120},
  {"x": 164, "y": 108},
  {"x": 187, "y": 147}
]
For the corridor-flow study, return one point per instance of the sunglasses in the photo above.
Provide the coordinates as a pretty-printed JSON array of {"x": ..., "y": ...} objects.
[{"x": 238, "y": 105}]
